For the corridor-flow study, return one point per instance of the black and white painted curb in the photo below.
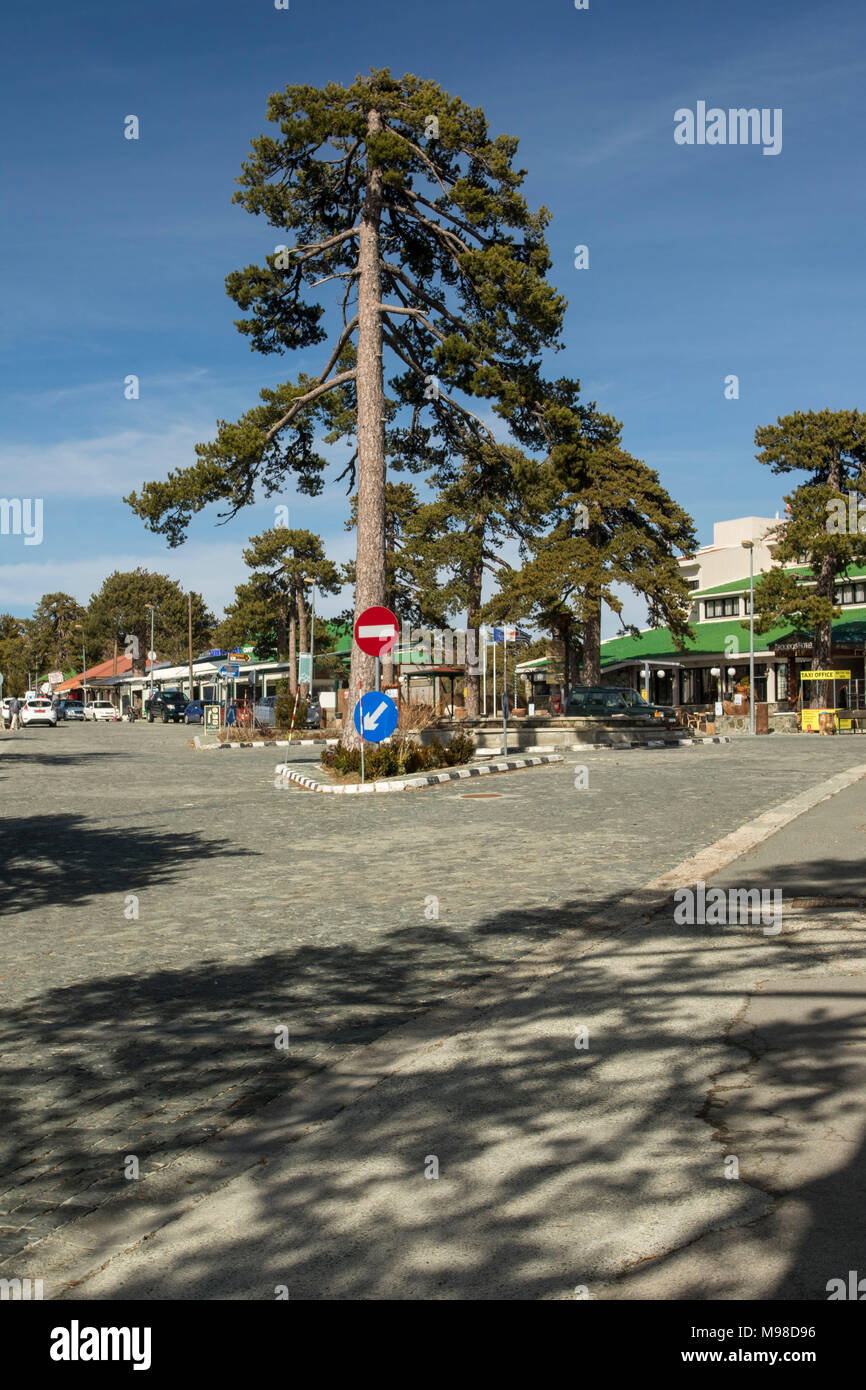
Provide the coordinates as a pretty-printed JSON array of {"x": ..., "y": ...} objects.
[
  {"x": 264, "y": 743},
  {"x": 285, "y": 775}
]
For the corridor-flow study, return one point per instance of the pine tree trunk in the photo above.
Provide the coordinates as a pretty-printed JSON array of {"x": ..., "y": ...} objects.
[
  {"x": 566, "y": 662},
  {"x": 592, "y": 644},
  {"x": 282, "y": 650},
  {"x": 293, "y": 656},
  {"x": 473, "y": 683},
  {"x": 370, "y": 561},
  {"x": 390, "y": 596}
]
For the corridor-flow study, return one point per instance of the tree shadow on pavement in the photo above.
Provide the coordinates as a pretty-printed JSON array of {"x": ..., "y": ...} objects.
[
  {"x": 65, "y": 860},
  {"x": 557, "y": 1166}
]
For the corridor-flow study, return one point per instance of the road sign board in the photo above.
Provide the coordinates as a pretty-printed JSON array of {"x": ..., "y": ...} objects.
[
  {"x": 377, "y": 714},
  {"x": 55, "y": 677},
  {"x": 305, "y": 668},
  {"x": 229, "y": 670},
  {"x": 376, "y": 631}
]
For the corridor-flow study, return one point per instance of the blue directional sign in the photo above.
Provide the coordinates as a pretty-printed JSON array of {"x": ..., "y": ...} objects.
[
  {"x": 375, "y": 716},
  {"x": 229, "y": 670}
]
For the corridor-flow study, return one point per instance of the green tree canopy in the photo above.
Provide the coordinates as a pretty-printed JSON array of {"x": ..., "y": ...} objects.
[
  {"x": 604, "y": 522},
  {"x": 830, "y": 446},
  {"x": 55, "y": 632},
  {"x": 120, "y": 609}
]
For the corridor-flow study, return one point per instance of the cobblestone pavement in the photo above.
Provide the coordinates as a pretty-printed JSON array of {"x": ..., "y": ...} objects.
[{"x": 166, "y": 910}]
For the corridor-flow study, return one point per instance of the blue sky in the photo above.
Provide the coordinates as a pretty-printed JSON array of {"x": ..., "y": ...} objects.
[{"x": 704, "y": 261}]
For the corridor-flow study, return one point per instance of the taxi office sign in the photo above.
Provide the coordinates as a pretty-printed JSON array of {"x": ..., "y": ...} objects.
[{"x": 825, "y": 675}]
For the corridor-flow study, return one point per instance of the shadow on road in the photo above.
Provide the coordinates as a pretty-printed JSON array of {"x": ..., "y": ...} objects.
[
  {"x": 145, "y": 1065},
  {"x": 64, "y": 860}
]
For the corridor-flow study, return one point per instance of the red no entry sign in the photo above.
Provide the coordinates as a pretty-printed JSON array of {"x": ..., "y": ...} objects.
[{"x": 376, "y": 631}]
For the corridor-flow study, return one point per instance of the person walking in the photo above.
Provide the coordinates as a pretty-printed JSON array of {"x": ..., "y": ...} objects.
[{"x": 14, "y": 707}]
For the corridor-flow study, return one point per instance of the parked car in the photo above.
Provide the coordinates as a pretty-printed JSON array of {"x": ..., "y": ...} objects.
[
  {"x": 100, "y": 709},
  {"x": 39, "y": 711},
  {"x": 194, "y": 712},
  {"x": 69, "y": 709},
  {"x": 608, "y": 701},
  {"x": 167, "y": 705}
]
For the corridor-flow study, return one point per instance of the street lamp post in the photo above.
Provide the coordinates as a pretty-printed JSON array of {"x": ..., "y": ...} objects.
[
  {"x": 750, "y": 546},
  {"x": 151, "y": 654}
]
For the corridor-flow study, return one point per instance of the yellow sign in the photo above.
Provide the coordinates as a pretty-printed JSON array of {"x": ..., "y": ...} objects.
[
  {"x": 825, "y": 675},
  {"x": 811, "y": 719}
]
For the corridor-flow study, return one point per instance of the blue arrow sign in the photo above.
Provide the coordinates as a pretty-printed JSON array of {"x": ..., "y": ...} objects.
[
  {"x": 228, "y": 670},
  {"x": 378, "y": 714}
]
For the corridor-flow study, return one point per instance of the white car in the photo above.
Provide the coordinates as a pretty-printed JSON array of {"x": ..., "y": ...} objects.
[
  {"x": 38, "y": 711},
  {"x": 100, "y": 709}
]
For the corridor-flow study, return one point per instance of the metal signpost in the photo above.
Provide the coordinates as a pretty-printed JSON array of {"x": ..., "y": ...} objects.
[{"x": 375, "y": 716}]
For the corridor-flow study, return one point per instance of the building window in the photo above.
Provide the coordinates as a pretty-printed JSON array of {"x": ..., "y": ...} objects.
[
  {"x": 781, "y": 680},
  {"x": 721, "y": 607},
  {"x": 850, "y": 593}
]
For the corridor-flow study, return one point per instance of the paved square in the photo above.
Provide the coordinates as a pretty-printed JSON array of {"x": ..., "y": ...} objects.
[{"x": 165, "y": 911}]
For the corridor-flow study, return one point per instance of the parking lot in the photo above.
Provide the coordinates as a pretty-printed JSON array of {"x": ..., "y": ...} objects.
[{"x": 166, "y": 910}]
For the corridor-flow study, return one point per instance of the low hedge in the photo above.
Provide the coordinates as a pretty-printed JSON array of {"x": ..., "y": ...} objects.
[{"x": 403, "y": 756}]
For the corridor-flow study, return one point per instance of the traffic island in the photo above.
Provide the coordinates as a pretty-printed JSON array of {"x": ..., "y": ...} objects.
[{"x": 284, "y": 777}]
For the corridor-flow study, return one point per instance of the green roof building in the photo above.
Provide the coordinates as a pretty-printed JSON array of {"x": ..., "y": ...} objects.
[{"x": 717, "y": 658}]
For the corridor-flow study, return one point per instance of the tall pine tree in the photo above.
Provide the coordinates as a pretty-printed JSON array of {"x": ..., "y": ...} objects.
[{"x": 397, "y": 197}]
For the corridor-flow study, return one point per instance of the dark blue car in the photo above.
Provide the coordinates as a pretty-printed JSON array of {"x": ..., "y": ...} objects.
[{"x": 194, "y": 712}]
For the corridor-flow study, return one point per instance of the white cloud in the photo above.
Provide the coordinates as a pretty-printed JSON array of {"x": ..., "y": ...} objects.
[
  {"x": 103, "y": 466},
  {"x": 212, "y": 568}
]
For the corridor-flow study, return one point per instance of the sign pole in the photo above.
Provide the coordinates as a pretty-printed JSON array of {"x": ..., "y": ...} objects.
[
  {"x": 483, "y": 644},
  {"x": 360, "y": 692}
]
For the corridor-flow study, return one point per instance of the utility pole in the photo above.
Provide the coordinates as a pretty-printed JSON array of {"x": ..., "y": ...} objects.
[
  {"x": 750, "y": 546},
  {"x": 151, "y": 653}
]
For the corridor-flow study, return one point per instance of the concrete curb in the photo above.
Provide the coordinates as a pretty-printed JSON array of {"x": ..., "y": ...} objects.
[
  {"x": 650, "y": 743},
  {"x": 725, "y": 851},
  {"x": 285, "y": 775}
]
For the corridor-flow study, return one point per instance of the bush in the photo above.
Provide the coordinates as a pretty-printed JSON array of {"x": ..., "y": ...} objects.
[
  {"x": 398, "y": 758},
  {"x": 285, "y": 706}
]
